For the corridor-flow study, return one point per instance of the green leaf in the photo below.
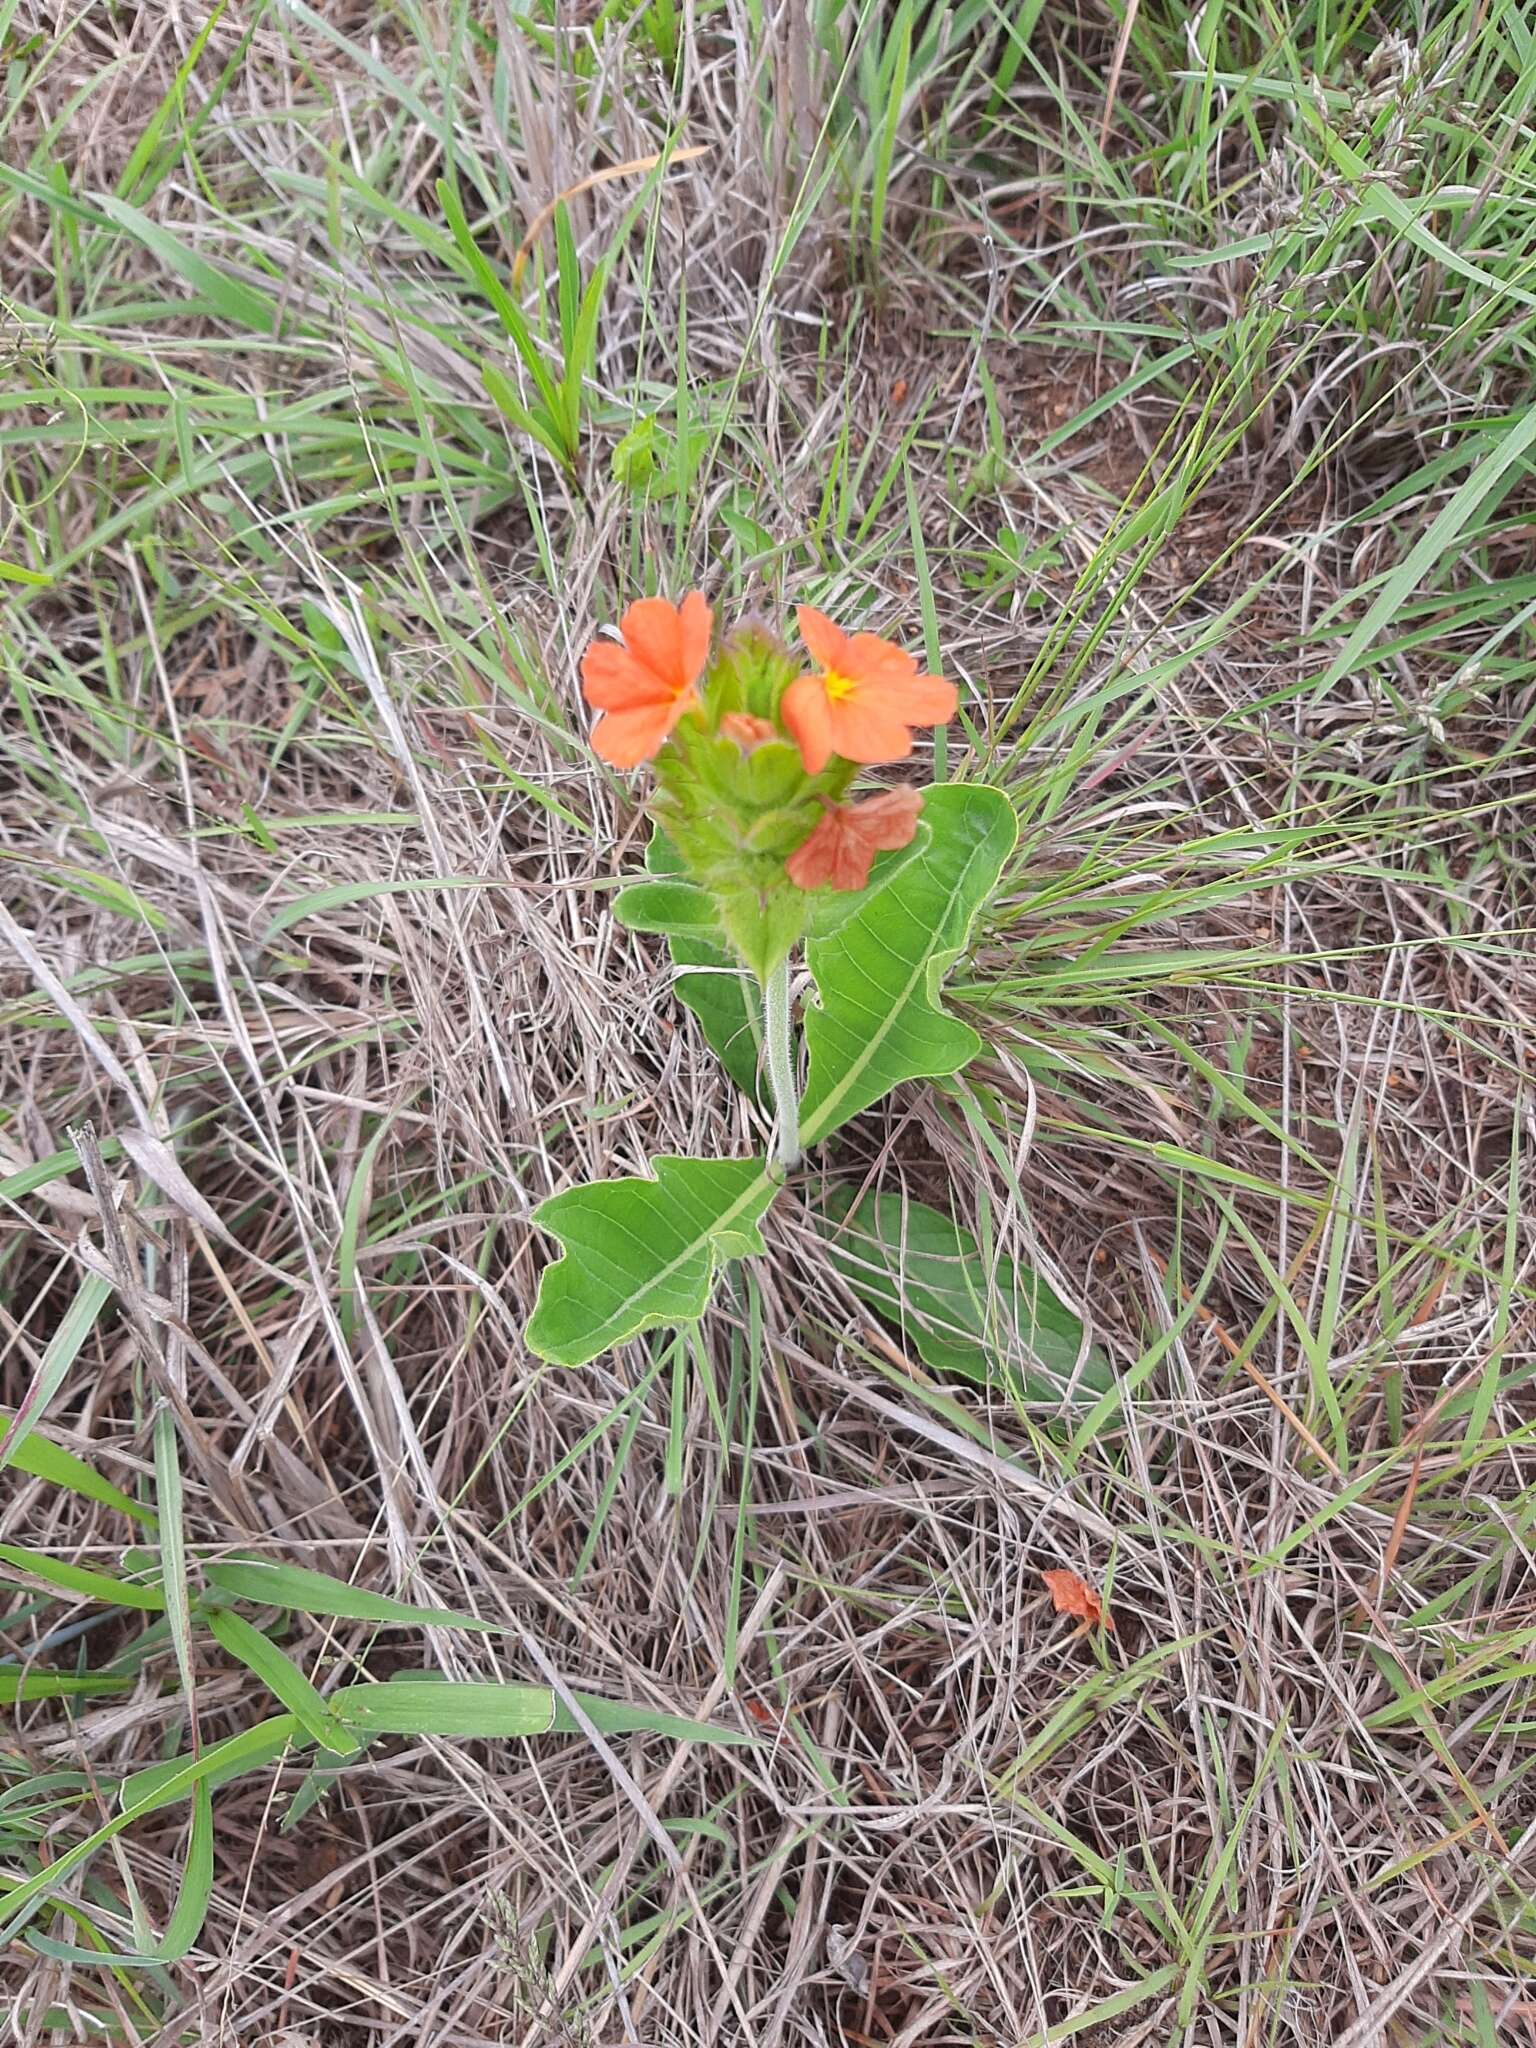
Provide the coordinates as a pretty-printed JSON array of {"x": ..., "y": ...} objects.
[
  {"x": 508, "y": 311},
  {"x": 55, "y": 1685},
  {"x": 242, "y": 305},
  {"x": 191, "y": 1908},
  {"x": 878, "y": 1021},
  {"x": 568, "y": 280},
  {"x": 45, "y": 1459},
  {"x": 1505, "y": 458},
  {"x": 719, "y": 995},
  {"x": 44, "y": 1172},
  {"x": 161, "y": 1785},
  {"x": 219, "y": 1763},
  {"x": 18, "y": 572},
  {"x": 282, "y": 1678},
  {"x": 962, "y": 1313},
  {"x": 320, "y": 902},
  {"x": 475, "y": 1709},
  {"x": 305, "y": 1592},
  {"x": 79, "y": 1583},
  {"x": 76, "y": 1324},
  {"x": 668, "y": 910},
  {"x": 503, "y": 394},
  {"x": 642, "y": 1253}
]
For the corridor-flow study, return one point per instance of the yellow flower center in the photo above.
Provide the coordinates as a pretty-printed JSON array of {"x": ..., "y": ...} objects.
[{"x": 838, "y": 687}]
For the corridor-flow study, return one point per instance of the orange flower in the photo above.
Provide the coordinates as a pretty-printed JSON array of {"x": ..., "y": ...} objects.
[
  {"x": 1072, "y": 1595},
  {"x": 843, "y": 845},
  {"x": 644, "y": 687},
  {"x": 747, "y": 730},
  {"x": 865, "y": 700}
]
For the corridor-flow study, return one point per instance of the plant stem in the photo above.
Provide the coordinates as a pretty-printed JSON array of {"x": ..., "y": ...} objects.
[{"x": 779, "y": 1041}]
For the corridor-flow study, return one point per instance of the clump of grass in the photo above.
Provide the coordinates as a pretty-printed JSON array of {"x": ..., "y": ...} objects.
[{"x": 1183, "y": 423}]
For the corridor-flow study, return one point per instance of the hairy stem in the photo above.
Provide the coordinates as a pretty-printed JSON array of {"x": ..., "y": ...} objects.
[{"x": 779, "y": 1041}]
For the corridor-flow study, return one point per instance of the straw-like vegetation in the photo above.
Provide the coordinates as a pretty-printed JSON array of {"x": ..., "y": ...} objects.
[{"x": 1164, "y": 376}]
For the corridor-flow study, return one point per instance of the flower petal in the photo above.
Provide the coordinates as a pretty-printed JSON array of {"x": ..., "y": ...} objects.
[
  {"x": 835, "y": 856},
  {"x": 653, "y": 633},
  {"x": 697, "y": 622},
  {"x": 863, "y": 730},
  {"x": 872, "y": 659},
  {"x": 626, "y": 738},
  {"x": 807, "y": 718},
  {"x": 920, "y": 700},
  {"x": 828, "y": 644},
  {"x": 746, "y": 730},
  {"x": 612, "y": 679},
  {"x": 888, "y": 820}
]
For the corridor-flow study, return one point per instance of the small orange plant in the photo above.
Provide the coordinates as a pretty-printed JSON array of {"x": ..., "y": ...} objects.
[
  {"x": 756, "y": 750},
  {"x": 761, "y": 843}
]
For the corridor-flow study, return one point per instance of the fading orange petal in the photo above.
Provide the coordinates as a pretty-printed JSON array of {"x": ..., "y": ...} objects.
[
  {"x": 612, "y": 679},
  {"x": 1072, "y": 1595},
  {"x": 890, "y": 819},
  {"x": 807, "y": 718},
  {"x": 626, "y": 738},
  {"x": 844, "y": 841},
  {"x": 828, "y": 644},
  {"x": 833, "y": 857}
]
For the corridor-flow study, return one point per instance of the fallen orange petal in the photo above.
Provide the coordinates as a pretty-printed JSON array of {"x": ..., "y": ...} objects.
[{"x": 1072, "y": 1595}]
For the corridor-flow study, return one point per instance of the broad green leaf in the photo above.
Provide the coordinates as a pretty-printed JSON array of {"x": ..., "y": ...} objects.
[
  {"x": 55, "y": 1685},
  {"x": 668, "y": 909},
  {"x": 963, "y": 1314},
  {"x": 640, "y": 1254},
  {"x": 878, "y": 1021},
  {"x": 482, "y": 1709},
  {"x": 305, "y": 1592},
  {"x": 45, "y": 1459}
]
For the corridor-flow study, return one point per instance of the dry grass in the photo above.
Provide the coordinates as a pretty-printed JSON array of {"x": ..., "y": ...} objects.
[{"x": 1258, "y": 1005}]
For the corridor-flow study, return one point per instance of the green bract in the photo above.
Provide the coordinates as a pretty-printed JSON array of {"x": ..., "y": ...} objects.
[{"x": 735, "y": 810}]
